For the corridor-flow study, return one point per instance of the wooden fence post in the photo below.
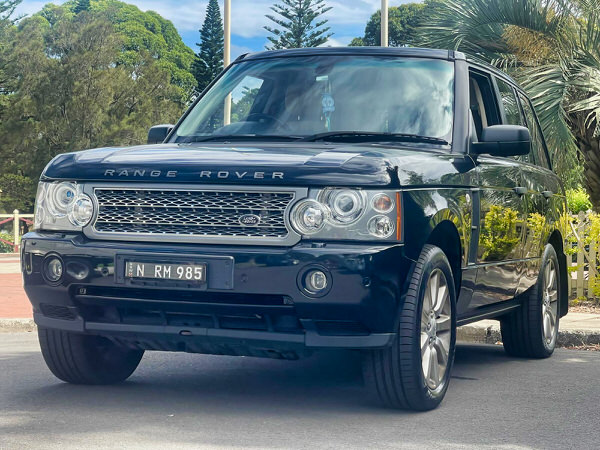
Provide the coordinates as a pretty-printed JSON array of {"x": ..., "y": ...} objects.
[
  {"x": 580, "y": 256},
  {"x": 16, "y": 222}
]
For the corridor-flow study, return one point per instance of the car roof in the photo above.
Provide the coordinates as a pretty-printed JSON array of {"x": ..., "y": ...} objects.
[
  {"x": 415, "y": 52},
  {"x": 358, "y": 51}
]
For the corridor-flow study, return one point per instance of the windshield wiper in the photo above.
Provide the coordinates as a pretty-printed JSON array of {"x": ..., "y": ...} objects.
[
  {"x": 239, "y": 137},
  {"x": 357, "y": 136}
]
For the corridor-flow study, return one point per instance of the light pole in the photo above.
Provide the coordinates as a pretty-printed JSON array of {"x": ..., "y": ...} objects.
[
  {"x": 227, "y": 55},
  {"x": 384, "y": 23}
]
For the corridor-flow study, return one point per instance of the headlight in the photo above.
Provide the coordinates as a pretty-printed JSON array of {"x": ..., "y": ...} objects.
[
  {"x": 62, "y": 207},
  {"x": 346, "y": 205},
  {"x": 348, "y": 214},
  {"x": 309, "y": 217}
]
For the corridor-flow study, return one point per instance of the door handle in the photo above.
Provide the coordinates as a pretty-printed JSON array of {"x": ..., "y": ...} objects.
[
  {"x": 520, "y": 190},
  {"x": 547, "y": 194}
]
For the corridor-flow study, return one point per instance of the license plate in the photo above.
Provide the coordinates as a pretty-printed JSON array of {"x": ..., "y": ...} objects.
[{"x": 195, "y": 273}]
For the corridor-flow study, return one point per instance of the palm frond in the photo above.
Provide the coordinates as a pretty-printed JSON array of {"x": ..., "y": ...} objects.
[{"x": 477, "y": 26}]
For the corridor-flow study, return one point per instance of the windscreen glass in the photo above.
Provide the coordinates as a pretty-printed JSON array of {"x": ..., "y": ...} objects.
[{"x": 305, "y": 96}]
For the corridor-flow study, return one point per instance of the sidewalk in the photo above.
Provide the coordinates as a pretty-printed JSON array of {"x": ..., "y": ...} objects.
[{"x": 576, "y": 329}]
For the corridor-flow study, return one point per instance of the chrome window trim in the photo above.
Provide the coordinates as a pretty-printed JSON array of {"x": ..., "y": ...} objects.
[{"x": 291, "y": 239}]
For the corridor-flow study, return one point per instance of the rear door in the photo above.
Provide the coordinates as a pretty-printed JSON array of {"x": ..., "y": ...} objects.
[
  {"x": 502, "y": 206},
  {"x": 543, "y": 191}
]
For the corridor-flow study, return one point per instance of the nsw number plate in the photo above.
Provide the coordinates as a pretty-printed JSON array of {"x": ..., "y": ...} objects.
[{"x": 179, "y": 272}]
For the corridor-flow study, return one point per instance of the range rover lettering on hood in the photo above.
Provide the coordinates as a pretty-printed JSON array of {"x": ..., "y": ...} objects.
[
  {"x": 209, "y": 174},
  {"x": 289, "y": 164}
]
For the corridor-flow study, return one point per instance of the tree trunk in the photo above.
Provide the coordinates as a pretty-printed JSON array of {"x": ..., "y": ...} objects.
[{"x": 589, "y": 145}]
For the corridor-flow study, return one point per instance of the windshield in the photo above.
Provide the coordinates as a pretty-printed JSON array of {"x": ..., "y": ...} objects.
[{"x": 299, "y": 97}]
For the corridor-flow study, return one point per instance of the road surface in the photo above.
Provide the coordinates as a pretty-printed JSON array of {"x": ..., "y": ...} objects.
[{"x": 185, "y": 401}]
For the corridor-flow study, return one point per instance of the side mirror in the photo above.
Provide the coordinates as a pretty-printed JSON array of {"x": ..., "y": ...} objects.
[
  {"x": 159, "y": 133},
  {"x": 503, "y": 140}
]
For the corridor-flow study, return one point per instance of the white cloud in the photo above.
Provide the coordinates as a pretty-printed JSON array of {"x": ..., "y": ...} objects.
[{"x": 338, "y": 41}]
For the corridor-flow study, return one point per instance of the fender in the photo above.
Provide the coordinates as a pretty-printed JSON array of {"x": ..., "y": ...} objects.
[{"x": 428, "y": 208}]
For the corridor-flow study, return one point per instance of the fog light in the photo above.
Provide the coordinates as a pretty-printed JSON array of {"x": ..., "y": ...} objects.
[
  {"x": 316, "y": 281},
  {"x": 53, "y": 269}
]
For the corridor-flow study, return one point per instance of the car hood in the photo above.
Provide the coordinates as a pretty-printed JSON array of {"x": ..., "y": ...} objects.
[{"x": 293, "y": 164}]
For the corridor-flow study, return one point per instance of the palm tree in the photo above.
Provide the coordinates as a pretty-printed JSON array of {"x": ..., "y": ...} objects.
[{"x": 552, "y": 47}]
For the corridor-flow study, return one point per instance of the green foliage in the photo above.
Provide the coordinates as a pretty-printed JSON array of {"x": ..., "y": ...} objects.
[
  {"x": 81, "y": 5},
  {"x": 553, "y": 49},
  {"x": 16, "y": 192},
  {"x": 209, "y": 61},
  {"x": 7, "y": 8},
  {"x": 499, "y": 234},
  {"x": 144, "y": 34},
  {"x": 403, "y": 23},
  {"x": 578, "y": 201},
  {"x": 70, "y": 91},
  {"x": 297, "y": 24},
  {"x": 4, "y": 247}
]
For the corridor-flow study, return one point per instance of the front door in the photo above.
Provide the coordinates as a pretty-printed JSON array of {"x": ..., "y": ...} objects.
[
  {"x": 502, "y": 216},
  {"x": 502, "y": 222}
]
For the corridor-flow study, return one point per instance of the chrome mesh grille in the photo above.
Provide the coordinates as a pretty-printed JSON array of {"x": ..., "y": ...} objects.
[{"x": 185, "y": 212}]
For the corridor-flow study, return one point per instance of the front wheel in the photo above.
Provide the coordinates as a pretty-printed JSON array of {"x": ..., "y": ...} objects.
[
  {"x": 414, "y": 372},
  {"x": 84, "y": 359}
]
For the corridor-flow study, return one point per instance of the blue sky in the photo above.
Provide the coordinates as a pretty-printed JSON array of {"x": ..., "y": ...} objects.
[{"x": 347, "y": 18}]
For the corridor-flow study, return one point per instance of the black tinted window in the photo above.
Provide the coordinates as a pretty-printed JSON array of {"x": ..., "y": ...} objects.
[
  {"x": 510, "y": 103},
  {"x": 512, "y": 113},
  {"x": 537, "y": 139},
  {"x": 483, "y": 102}
]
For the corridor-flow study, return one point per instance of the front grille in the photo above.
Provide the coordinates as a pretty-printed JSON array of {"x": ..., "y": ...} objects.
[{"x": 193, "y": 213}]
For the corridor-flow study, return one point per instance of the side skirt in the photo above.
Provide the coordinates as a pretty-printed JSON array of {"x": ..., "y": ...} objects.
[{"x": 489, "y": 312}]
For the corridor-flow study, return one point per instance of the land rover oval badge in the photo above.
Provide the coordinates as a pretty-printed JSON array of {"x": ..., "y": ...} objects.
[{"x": 249, "y": 220}]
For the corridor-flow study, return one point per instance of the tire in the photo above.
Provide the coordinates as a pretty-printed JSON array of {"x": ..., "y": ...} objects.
[
  {"x": 525, "y": 332},
  {"x": 396, "y": 374},
  {"x": 85, "y": 359}
]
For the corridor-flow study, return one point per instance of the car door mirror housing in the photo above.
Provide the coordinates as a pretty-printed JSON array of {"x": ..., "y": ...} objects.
[
  {"x": 504, "y": 140},
  {"x": 159, "y": 133}
]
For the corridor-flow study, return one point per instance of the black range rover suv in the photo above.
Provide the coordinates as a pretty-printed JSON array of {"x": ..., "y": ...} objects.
[{"x": 358, "y": 198}]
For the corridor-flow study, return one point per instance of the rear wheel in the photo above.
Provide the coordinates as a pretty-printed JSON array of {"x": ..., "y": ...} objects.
[
  {"x": 414, "y": 372},
  {"x": 532, "y": 330},
  {"x": 85, "y": 359}
]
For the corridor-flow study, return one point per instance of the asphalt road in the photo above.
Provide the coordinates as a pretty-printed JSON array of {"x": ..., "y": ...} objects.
[{"x": 194, "y": 401}]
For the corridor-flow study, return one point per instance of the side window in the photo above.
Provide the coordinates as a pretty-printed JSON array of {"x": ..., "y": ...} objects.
[
  {"x": 510, "y": 103},
  {"x": 537, "y": 139},
  {"x": 483, "y": 103},
  {"x": 512, "y": 113}
]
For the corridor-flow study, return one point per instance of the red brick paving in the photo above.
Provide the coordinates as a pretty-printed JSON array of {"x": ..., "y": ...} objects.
[{"x": 13, "y": 300}]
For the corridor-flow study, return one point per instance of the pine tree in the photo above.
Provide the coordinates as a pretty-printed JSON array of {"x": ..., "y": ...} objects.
[
  {"x": 297, "y": 27},
  {"x": 82, "y": 5},
  {"x": 209, "y": 61}
]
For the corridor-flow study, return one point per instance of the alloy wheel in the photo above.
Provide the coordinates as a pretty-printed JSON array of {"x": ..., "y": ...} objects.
[
  {"x": 550, "y": 303},
  {"x": 436, "y": 334}
]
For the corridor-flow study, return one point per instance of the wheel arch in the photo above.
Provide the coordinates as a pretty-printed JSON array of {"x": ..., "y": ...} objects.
[
  {"x": 556, "y": 240},
  {"x": 445, "y": 236}
]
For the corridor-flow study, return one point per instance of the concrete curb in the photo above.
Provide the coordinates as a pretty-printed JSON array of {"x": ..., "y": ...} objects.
[
  {"x": 491, "y": 335},
  {"x": 17, "y": 326}
]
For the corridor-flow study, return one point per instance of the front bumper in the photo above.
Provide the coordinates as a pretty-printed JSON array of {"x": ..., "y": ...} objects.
[{"x": 252, "y": 304}]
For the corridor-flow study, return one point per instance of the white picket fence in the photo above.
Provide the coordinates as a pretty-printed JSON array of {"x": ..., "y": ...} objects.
[{"x": 584, "y": 263}]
